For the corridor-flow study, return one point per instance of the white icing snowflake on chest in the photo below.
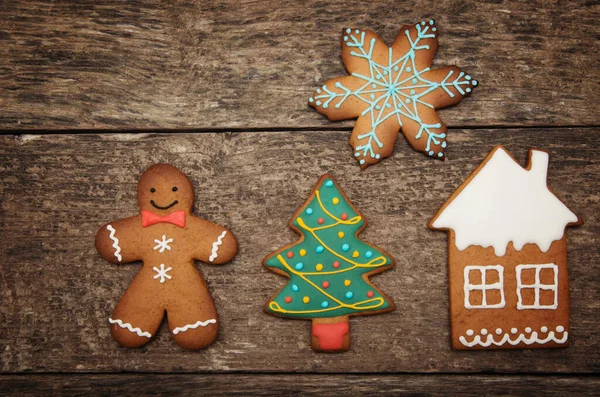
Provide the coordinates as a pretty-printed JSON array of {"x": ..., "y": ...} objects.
[
  {"x": 162, "y": 273},
  {"x": 163, "y": 245}
]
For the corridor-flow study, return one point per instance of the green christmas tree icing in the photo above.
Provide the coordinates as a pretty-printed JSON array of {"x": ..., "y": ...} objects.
[{"x": 328, "y": 267}]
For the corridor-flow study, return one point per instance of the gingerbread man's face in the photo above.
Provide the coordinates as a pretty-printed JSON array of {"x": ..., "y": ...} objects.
[{"x": 163, "y": 189}]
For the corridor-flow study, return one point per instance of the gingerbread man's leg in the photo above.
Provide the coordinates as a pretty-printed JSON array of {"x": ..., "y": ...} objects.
[
  {"x": 138, "y": 315},
  {"x": 193, "y": 322}
]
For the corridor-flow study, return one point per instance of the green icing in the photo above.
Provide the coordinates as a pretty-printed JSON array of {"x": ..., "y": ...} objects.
[{"x": 322, "y": 245}]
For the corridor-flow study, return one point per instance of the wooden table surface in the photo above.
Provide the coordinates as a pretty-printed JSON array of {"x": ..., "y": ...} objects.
[{"x": 92, "y": 93}]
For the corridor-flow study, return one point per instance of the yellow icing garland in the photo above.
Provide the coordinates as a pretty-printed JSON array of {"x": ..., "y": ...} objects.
[{"x": 376, "y": 262}]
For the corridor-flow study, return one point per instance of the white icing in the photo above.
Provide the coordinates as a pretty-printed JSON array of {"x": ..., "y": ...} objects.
[
  {"x": 483, "y": 287},
  {"x": 162, "y": 273},
  {"x": 129, "y": 327},
  {"x": 163, "y": 245},
  {"x": 194, "y": 326},
  {"x": 503, "y": 203},
  {"x": 537, "y": 286},
  {"x": 115, "y": 242},
  {"x": 521, "y": 338},
  {"x": 215, "y": 246}
]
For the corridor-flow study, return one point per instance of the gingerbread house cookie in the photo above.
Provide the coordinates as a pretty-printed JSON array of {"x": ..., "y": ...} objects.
[{"x": 507, "y": 256}]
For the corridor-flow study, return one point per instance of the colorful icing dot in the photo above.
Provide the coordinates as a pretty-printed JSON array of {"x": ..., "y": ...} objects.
[
  {"x": 290, "y": 254},
  {"x": 355, "y": 254},
  {"x": 306, "y": 299},
  {"x": 370, "y": 294},
  {"x": 309, "y": 211},
  {"x": 344, "y": 216},
  {"x": 288, "y": 299},
  {"x": 368, "y": 254},
  {"x": 319, "y": 249},
  {"x": 324, "y": 304},
  {"x": 295, "y": 288},
  {"x": 302, "y": 252},
  {"x": 320, "y": 221},
  {"x": 299, "y": 266},
  {"x": 345, "y": 247},
  {"x": 336, "y": 264},
  {"x": 341, "y": 234},
  {"x": 325, "y": 284},
  {"x": 349, "y": 295},
  {"x": 347, "y": 283},
  {"x": 319, "y": 267},
  {"x": 335, "y": 200},
  {"x": 329, "y": 183}
]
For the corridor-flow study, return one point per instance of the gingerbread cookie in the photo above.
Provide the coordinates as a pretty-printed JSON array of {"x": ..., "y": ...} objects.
[
  {"x": 509, "y": 286},
  {"x": 328, "y": 268},
  {"x": 167, "y": 238},
  {"x": 391, "y": 89}
]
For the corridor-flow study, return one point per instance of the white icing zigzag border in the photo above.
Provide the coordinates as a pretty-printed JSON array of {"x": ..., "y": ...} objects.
[
  {"x": 115, "y": 242},
  {"x": 520, "y": 338},
  {"x": 129, "y": 327},
  {"x": 215, "y": 246},
  {"x": 195, "y": 325}
]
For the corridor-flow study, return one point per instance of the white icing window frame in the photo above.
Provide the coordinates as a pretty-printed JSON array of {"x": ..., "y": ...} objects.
[
  {"x": 483, "y": 287},
  {"x": 537, "y": 286}
]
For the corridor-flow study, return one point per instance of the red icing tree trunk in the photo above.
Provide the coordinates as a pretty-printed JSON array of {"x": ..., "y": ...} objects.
[{"x": 331, "y": 334}]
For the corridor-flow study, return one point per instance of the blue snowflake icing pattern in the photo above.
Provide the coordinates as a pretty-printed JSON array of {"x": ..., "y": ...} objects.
[{"x": 388, "y": 95}]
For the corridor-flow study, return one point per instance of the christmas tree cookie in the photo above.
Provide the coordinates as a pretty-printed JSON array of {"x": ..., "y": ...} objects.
[
  {"x": 328, "y": 268},
  {"x": 391, "y": 89}
]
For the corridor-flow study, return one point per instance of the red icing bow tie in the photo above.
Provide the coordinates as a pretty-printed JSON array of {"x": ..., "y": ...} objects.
[{"x": 177, "y": 218}]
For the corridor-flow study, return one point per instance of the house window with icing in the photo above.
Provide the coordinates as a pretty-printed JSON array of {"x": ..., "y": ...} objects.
[
  {"x": 537, "y": 286},
  {"x": 484, "y": 287}
]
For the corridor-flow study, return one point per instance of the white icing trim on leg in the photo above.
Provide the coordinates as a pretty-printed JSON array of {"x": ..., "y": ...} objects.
[
  {"x": 194, "y": 326},
  {"x": 130, "y": 328},
  {"x": 115, "y": 242},
  {"x": 215, "y": 246}
]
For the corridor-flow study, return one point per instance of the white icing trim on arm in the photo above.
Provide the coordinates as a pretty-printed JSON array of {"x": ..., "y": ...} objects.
[
  {"x": 130, "y": 328},
  {"x": 194, "y": 326},
  {"x": 215, "y": 246},
  {"x": 115, "y": 242}
]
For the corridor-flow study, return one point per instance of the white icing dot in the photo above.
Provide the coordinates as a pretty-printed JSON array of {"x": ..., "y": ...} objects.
[
  {"x": 434, "y": 29},
  {"x": 362, "y": 161},
  {"x": 408, "y": 69},
  {"x": 348, "y": 30},
  {"x": 372, "y": 96},
  {"x": 423, "y": 23},
  {"x": 469, "y": 332},
  {"x": 440, "y": 154},
  {"x": 528, "y": 330},
  {"x": 407, "y": 101},
  {"x": 484, "y": 331},
  {"x": 311, "y": 100},
  {"x": 377, "y": 156},
  {"x": 560, "y": 328},
  {"x": 357, "y": 31},
  {"x": 468, "y": 90},
  {"x": 468, "y": 77},
  {"x": 498, "y": 331},
  {"x": 544, "y": 329},
  {"x": 431, "y": 152},
  {"x": 345, "y": 38},
  {"x": 513, "y": 331},
  {"x": 318, "y": 90},
  {"x": 318, "y": 103},
  {"x": 356, "y": 154},
  {"x": 377, "y": 107},
  {"x": 474, "y": 82},
  {"x": 396, "y": 68},
  {"x": 431, "y": 22}
]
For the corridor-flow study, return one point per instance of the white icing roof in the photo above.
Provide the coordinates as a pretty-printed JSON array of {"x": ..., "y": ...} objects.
[{"x": 505, "y": 202}]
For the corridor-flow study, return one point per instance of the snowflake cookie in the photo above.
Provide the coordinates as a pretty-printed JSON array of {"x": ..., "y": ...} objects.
[
  {"x": 393, "y": 88},
  {"x": 167, "y": 238}
]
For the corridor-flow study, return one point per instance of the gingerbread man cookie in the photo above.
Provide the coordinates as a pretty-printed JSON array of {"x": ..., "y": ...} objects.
[
  {"x": 391, "y": 89},
  {"x": 167, "y": 238}
]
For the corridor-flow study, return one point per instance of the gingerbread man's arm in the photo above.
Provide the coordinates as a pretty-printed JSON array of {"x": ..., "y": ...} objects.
[
  {"x": 117, "y": 241},
  {"x": 212, "y": 243}
]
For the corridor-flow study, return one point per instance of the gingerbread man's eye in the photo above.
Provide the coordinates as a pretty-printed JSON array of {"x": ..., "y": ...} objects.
[
  {"x": 152, "y": 190},
  {"x": 174, "y": 188}
]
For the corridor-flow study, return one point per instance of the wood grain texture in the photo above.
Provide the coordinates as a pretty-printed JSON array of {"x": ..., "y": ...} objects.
[
  {"x": 56, "y": 293},
  {"x": 251, "y": 64},
  {"x": 294, "y": 384}
]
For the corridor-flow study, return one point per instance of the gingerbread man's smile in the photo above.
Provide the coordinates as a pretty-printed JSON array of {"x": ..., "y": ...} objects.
[{"x": 163, "y": 208}]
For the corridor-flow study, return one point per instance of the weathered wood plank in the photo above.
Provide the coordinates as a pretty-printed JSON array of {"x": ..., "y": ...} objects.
[
  {"x": 294, "y": 384},
  {"x": 56, "y": 292},
  {"x": 214, "y": 64}
]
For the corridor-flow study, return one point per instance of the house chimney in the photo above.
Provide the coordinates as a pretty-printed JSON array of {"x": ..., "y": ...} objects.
[{"x": 538, "y": 161}]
